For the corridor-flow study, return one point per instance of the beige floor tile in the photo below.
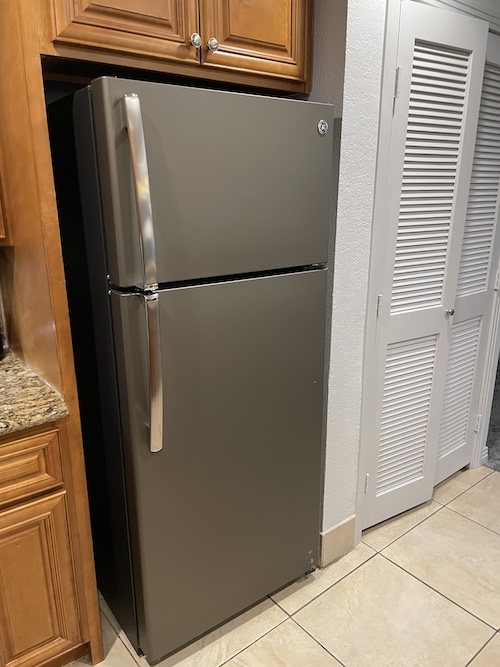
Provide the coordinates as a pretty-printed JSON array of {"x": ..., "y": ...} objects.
[
  {"x": 384, "y": 533},
  {"x": 458, "y": 558},
  {"x": 224, "y": 643},
  {"x": 474, "y": 475},
  {"x": 108, "y": 614},
  {"x": 293, "y": 597},
  {"x": 481, "y": 502},
  {"x": 286, "y": 646},
  {"x": 489, "y": 656},
  {"x": 450, "y": 489},
  {"x": 116, "y": 655},
  {"x": 380, "y": 616}
]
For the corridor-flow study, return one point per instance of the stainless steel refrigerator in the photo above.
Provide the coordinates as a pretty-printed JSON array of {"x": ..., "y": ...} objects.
[{"x": 206, "y": 217}]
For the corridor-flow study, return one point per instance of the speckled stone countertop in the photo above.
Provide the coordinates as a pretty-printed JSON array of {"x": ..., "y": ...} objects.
[{"x": 25, "y": 399}]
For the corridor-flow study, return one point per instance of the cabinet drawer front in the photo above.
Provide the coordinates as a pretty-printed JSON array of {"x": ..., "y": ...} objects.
[
  {"x": 30, "y": 465},
  {"x": 38, "y": 607}
]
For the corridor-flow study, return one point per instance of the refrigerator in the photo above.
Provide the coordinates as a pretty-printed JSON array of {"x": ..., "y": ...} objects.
[{"x": 206, "y": 220}]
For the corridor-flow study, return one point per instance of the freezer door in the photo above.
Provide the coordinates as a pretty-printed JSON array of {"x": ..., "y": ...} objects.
[
  {"x": 229, "y": 510},
  {"x": 238, "y": 183}
]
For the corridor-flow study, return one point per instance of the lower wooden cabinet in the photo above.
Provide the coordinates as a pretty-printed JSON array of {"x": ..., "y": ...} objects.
[{"x": 38, "y": 606}]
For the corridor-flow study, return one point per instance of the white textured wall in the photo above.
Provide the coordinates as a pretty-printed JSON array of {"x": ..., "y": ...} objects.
[{"x": 363, "y": 67}]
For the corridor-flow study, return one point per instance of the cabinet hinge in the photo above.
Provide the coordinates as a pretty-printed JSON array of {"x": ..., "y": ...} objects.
[
  {"x": 477, "y": 425},
  {"x": 367, "y": 477},
  {"x": 497, "y": 280},
  {"x": 396, "y": 82},
  {"x": 379, "y": 304}
]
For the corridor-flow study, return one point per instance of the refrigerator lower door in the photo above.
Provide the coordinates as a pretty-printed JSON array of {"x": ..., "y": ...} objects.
[{"x": 229, "y": 510}]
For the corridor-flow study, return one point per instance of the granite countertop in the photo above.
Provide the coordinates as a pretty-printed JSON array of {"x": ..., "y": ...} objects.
[{"x": 25, "y": 399}]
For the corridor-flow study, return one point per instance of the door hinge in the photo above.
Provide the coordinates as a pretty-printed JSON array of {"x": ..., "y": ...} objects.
[
  {"x": 367, "y": 477},
  {"x": 379, "y": 304},
  {"x": 396, "y": 82},
  {"x": 477, "y": 425},
  {"x": 497, "y": 280}
]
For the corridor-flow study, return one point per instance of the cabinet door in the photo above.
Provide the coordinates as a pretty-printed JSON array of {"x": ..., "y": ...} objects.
[
  {"x": 154, "y": 28},
  {"x": 38, "y": 607},
  {"x": 258, "y": 36}
]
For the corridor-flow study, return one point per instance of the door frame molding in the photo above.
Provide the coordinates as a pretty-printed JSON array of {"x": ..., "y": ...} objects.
[{"x": 492, "y": 351}]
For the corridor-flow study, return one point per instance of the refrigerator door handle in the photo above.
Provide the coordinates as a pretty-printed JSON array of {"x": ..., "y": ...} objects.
[
  {"x": 155, "y": 374},
  {"x": 133, "y": 119}
]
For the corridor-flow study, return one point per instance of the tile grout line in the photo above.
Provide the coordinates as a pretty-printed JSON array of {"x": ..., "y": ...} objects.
[
  {"x": 329, "y": 587},
  {"x": 134, "y": 655},
  {"x": 468, "y": 489},
  {"x": 254, "y": 641},
  {"x": 480, "y": 650},
  {"x": 318, "y": 642},
  {"x": 492, "y": 627},
  {"x": 473, "y": 521},
  {"x": 442, "y": 505},
  {"x": 407, "y": 531}
]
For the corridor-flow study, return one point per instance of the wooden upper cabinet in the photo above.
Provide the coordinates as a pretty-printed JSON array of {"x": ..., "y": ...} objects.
[
  {"x": 152, "y": 28},
  {"x": 258, "y": 36},
  {"x": 258, "y": 42}
]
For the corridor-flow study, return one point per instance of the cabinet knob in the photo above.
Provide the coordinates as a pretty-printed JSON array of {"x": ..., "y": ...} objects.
[
  {"x": 450, "y": 312},
  {"x": 195, "y": 40},
  {"x": 213, "y": 44}
]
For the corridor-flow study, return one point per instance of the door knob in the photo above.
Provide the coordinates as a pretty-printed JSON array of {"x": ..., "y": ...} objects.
[
  {"x": 195, "y": 40},
  {"x": 450, "y": 311},
  {"x": 213, "y": 44}
]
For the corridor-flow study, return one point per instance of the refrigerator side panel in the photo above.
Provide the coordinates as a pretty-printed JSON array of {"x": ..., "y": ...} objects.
[
  {"x": 109, "y": 502},
  {"x": 239, "y": 183},
  {"x": 229, "y": 510}
]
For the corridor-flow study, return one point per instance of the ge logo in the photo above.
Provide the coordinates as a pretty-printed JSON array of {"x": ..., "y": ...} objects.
[{"x": 322, "y": 127}]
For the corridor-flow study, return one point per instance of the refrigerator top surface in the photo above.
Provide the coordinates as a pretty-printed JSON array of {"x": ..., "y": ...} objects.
[{"x": 237, "y": 183}]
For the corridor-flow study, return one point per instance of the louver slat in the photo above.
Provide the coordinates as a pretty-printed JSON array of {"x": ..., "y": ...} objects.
[
  {"x": 409, "y": 372},
  {"x": 458, "y": 388},
  {"x": 484, "y": 188},
  {"x": 433, "y": 141}
]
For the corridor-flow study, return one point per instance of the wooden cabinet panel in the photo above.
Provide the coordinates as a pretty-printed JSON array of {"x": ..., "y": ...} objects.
[
  {"x": 153, "y": 28},
  {"x": 258, "y": 36},
  {"x": 29, "y": 465},
  {"x": 38, "y": 607}
]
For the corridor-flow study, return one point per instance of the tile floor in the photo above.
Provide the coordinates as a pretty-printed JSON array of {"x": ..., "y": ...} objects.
[{"x": 420, "y": 590}]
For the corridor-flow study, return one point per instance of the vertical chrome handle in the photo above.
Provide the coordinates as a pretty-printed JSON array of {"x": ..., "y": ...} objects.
[
  {"x": 155, "y": 375},
  {"x": 133, "y": 118}
]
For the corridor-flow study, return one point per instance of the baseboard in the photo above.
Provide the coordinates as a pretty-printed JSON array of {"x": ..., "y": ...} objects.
[{"x": 337, "y": 541}]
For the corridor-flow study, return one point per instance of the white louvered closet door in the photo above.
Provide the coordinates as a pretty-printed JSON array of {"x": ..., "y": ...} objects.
[
  {"x": 476, "y": 282},
  {"x": 441, "y": 59}
]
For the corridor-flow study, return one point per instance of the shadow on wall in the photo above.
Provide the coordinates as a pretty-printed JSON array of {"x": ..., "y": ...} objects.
[{"x": 493, "y": 441}]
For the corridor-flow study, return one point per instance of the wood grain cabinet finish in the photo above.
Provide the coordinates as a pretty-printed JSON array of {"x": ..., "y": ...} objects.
[
  {"x": 29, "y": 465},
  {"x": 263, "y": 42},
  {"x": 258, "y": 36},
  {"x": 151, "y": 28},
  {"x": 38, "y": 607}
]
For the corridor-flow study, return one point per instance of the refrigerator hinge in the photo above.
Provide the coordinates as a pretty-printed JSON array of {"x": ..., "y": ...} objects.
[
  {"x": 477, "y": 425},
  {"x": 310, "y": 562},
  {"x": 367, "y": 477}
]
